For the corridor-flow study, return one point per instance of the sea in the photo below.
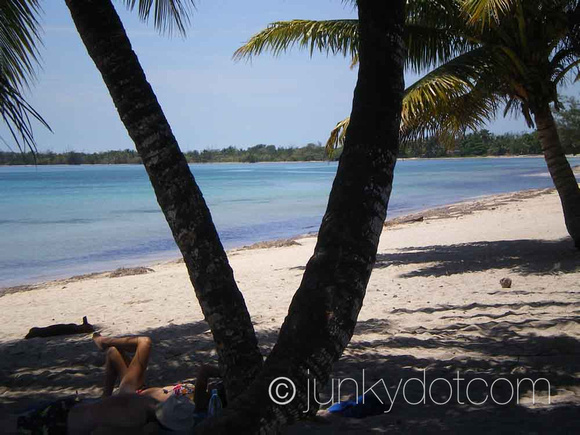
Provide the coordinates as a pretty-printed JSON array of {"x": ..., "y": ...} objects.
[{"x": 60, "y": 221}]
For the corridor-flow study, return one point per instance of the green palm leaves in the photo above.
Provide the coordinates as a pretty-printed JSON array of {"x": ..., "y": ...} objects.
[
  {"x": 474, "y": 54},
  {"x": 169, "y": 16},
  {"x": 330, "y": 37},
  {"x": 20, "y": 38},
  {"x": 482, "y": 12}
]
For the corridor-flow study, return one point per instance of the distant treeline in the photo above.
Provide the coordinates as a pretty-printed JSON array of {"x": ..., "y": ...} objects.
[
  {"x": 481, "y": 143},
  {"x": 258, "y": 153}
]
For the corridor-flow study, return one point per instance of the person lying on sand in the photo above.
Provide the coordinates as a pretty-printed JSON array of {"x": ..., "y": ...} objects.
[{"x": 134, "y": 408}]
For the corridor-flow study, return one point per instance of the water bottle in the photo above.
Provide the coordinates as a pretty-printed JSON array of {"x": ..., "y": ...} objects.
[{"x": 215, "y": 404}]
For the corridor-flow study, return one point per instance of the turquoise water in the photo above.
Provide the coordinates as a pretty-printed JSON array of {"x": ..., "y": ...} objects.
[{"x": 57, "y": 221}]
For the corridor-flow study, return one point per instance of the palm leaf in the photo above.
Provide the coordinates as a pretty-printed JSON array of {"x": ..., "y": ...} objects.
[
  {"x": 17, "y": 114},
  {"x": 19, "y": 41},
  {"x": 168, "y": 15},
  {"x": 461, "y": 94},
  {"x": 337, "y": 137},
  {"x": 428, "y": 47},
  {"x": 451, "y": 118},
  {"x": 484, "y": 12},
  {"x": 330, "y": 37},
  {"x": 435, "y": 13}
]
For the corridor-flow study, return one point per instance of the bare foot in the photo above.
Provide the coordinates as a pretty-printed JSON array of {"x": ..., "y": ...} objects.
[{"x": 98, "y": 339}]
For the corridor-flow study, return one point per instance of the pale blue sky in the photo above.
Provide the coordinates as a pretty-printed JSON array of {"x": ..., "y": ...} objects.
[{"x": 209, "y": 100}]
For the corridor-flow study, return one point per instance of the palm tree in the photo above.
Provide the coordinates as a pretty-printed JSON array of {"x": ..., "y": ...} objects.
[
  {"x": 478, "y": 55},
  {"x": 324, "y": 310},
  {"x": 177, "y": 193}
]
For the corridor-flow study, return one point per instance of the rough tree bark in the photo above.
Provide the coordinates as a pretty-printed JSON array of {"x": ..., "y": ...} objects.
[
  {"x": 324, "y": 310},
  {"x": 177, "y": 193},
  {"x": 560, "y": 170}
]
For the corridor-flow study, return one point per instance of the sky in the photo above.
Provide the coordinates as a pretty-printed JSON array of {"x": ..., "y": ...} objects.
[{"x": 210, "y": 101}]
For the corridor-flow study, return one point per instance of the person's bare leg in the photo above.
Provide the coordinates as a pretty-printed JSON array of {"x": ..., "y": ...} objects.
[
  {"x": 127, "y": 344},
  {"x": 134, "y": 378},
  {"x": 115, "y": 366},
  {"x": 132, "y": 373}
]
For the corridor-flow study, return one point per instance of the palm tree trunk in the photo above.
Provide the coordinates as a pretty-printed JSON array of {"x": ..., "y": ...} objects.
[
  {"x": 177, "y": 193},
  {"x": 324, "y": 310},
  {"x": 560, "y": 171}
]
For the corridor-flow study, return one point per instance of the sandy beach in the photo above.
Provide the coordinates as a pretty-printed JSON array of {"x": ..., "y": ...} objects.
[{"x": 434, "y": 303}]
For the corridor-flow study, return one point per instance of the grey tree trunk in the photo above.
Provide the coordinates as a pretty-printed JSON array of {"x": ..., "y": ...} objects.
[
  {"x": 177, "y": 192},
  {"x": 560, "y": 170},
  {"x": 324, "y": 310}
]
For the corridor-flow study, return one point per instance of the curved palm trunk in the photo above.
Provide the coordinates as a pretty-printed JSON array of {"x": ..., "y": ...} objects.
[
  {"x": 177, "y": 193},
  {"x": 560, "y": 171},
  {"x": 324, "y": 310}
]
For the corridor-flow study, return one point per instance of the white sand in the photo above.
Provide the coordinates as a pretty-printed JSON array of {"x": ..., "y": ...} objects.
[{"x": 434, "y": 300}]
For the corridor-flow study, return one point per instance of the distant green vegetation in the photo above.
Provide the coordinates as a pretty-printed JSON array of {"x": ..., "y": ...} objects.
[
  {"x": 258, "y": 153},
  {"x": 480, "y": 143}
]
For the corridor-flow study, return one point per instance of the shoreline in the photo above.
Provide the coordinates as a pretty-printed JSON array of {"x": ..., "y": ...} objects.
[
  {"x": 523, "y": 156},
  {"x": 444, "y": 211}
]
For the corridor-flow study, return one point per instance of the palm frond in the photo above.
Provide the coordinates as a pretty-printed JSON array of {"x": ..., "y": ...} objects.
[
  {"x": 330, "y": 37},
  {"x": 428, "y": 47},
  {"x": 450, "y": 118},
  {"x": 19, "y": 41},
  {"x": 337, "y": 137},
  {"x": 561, "y": 71},
  {"x": 18, "y": 115},
  {"x": 435, "y": 13},
  {"x": 168, "y": 15},
  {"x": 461, "y": 94},
  {"x": 484, "y": 12}
]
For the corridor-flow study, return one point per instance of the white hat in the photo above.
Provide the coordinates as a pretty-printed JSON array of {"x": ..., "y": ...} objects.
[{"x": 176, "y": 413}]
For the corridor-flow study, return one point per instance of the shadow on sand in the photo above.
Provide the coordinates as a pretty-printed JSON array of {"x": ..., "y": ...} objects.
[
  {"x": 525, "y": 257},
  {"x": 475, "y": 345},
  {"x": 66, "y": 365}
]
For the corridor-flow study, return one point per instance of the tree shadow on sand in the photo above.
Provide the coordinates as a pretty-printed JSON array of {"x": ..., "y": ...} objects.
[
  {"x": 476, "y": 345},
  {"x": 526, "y": 257},
  {"x": 44, "y": 369}
]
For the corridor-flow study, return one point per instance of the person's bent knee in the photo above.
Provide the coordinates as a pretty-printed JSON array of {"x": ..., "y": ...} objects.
[
  {"x": 111, "y": 351},
  {"x": 145, "y": 341}
]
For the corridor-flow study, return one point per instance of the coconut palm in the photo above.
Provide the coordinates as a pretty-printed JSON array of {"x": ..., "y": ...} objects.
[
  {"x": 324, "y": 310},
  {"x": 477, "y": 56},
  {"x": 177, "y": 192}
]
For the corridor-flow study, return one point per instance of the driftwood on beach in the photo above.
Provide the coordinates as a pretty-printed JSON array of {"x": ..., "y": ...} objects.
[{"x": 61, "y": 329}]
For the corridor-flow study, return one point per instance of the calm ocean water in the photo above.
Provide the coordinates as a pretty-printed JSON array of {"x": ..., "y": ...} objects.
[{"x": 58, "y": 221}]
